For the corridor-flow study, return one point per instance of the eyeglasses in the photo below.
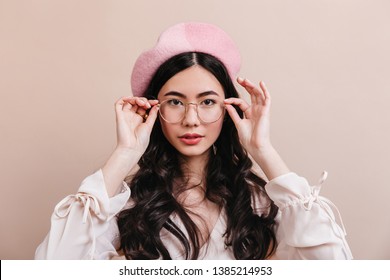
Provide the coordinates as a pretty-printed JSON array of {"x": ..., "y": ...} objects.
[{"x": 174, "y": 110}]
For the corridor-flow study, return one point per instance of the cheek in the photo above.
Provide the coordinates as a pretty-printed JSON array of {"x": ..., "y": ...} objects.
[
  {"x": 215, "y": 129},
  {"x": 167, "y": 130}
]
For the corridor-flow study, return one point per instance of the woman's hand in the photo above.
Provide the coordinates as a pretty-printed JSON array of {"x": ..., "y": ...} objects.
[
  {"x": 133, "y": 124},
  {"x": 254, "y": 128},
  {"x": 133, "y": 128}
]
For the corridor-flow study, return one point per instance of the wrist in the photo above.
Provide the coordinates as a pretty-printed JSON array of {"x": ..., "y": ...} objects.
[
  {"x": 118, "y": 167},
  {"x": 270, "y": 162},
  {"x": 126, "y": 152},
  {"x": 263, "y": 152}
]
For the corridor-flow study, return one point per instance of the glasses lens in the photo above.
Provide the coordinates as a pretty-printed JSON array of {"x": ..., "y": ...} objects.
[
  {"x": 209, "y": 111},
  {"x": 173, "y": 111}
]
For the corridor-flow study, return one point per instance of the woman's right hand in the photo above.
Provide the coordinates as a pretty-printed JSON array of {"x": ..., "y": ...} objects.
[
  {"x": 133, "y": 124},
  {"x": 133, "y": 133}
]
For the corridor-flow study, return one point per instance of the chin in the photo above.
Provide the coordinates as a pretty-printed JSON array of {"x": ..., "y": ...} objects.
[{"x": 192, "y": 151}]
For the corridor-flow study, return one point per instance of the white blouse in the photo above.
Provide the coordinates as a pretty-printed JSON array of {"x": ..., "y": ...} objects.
[{"x": 83, "y": 226}]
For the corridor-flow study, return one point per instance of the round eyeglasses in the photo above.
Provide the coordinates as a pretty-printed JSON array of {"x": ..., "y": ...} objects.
[{"x": 175, "y": 110}]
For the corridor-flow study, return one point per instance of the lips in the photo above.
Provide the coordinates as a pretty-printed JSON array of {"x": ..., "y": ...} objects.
[{"x": 191, "y": 138}]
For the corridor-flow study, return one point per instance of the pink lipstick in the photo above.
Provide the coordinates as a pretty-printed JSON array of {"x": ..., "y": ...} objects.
[{"x": 191, "y": 138}]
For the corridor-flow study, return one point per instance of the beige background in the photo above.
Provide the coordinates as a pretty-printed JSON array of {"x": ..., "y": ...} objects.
[{"x": 63, "y": 64}]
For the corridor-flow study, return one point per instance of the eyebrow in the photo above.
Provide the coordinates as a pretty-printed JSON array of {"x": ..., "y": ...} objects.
[{"x": 199, "y": 95}]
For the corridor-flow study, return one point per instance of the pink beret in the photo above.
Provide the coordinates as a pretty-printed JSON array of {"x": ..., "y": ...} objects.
[{"x": 180, "y": 38}]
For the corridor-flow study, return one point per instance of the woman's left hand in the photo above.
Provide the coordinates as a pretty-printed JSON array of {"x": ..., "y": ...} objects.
[{"x": 254, "y": 128}]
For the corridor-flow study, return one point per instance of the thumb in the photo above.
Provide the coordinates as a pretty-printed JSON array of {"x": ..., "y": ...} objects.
[
  {"x": 233, "y": 114},
  {"x": 152, "y": 116}
]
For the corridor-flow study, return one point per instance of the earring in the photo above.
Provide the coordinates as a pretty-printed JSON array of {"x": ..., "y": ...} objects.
[{"x": 214, "y": 149}]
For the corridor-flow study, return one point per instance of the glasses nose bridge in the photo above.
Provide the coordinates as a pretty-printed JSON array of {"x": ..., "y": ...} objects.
[
  {"x": 186, "y": 111},
  {"x": 187, "y": 106}
]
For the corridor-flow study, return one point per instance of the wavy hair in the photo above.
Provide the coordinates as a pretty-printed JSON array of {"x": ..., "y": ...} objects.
[{"x": 230, "y": 183}]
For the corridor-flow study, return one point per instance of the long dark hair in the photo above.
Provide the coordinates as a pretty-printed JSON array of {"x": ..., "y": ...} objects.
[{"x": 230, "y": 183}]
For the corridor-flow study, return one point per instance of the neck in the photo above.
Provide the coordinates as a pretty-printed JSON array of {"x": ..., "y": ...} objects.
[
  {"x": 194, "y": 170},
  {"x": 194, "y": 166}
]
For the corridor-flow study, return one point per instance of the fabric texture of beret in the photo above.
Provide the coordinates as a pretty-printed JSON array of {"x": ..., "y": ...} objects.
[{"x": 180, "y": 38}]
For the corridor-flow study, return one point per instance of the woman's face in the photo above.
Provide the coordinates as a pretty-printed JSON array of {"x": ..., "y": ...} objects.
[{"x": 190, "y": 135}]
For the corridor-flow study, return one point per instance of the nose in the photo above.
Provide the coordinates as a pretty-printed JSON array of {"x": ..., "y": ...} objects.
[{"x": 191, "y": 115}]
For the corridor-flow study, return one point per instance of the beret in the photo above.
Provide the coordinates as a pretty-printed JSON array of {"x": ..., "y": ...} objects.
[{"x": 181, "y": 38}]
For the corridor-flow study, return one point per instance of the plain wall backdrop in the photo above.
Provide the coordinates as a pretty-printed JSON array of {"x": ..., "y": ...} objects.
[{"x": 63, "y": 64}]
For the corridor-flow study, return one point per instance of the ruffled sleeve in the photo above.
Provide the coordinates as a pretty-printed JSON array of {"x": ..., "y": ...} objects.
[
  {"x": 307, "y": 227},
  {"x": 83, "y": 225}
]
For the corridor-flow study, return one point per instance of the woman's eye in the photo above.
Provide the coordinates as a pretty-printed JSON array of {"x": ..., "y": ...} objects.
[
  {"x": 208, "y": 102},
  {"x": 175, "y": 102}
]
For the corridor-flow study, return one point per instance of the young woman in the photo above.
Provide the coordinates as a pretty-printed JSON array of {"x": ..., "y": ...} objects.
[{"x": 193, "y": 195}]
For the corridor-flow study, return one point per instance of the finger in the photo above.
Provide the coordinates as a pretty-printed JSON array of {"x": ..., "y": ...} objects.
[
  {"x": 140, "y": 111},
  {"x": 151, "y": 118},
  {"x": 248, "y": 86},
  {"x": 124, "y": 100},
  {"x": 233, "y": 114},
  {"x": 145, "y": 101},
  {"x": 255, "y": 91},
  {"x": 138, "y": 105},
  {"x": 142, "y": 102},
  {"x": 139, "y": 101},
  {"x": 128, "y": 104},
  {"x": 153, "y": 102},
  {"x": 267, "y": 96},
  {"x": 256, "y": 94},
  {"x": 242, "y": 104},
  {"x": 119, "y": 104},
  {"x": 144, "y": 106}
]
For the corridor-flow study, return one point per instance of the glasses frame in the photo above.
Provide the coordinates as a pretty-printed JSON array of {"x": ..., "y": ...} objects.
[{"x": 186, "y": 104}]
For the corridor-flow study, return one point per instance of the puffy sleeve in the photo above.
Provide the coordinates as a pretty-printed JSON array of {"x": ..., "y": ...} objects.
[
  {"x": 306, "y": 222},
  {"x": 83, "y": 225}
]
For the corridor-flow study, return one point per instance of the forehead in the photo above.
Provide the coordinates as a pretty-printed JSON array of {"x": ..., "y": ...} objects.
[{"x": 192, "y": 81}]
